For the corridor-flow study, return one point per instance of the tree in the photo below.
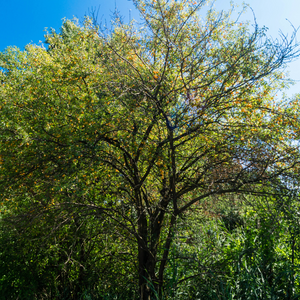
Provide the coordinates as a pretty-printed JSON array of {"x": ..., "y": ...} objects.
[{"x": 139, "y": 124}]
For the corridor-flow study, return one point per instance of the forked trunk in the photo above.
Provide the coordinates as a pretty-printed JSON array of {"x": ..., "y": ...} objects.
[
  {"x": 147, "y": 280},
  {"x": 147, "y": 260},
  {"x": 150, "y": 283}
]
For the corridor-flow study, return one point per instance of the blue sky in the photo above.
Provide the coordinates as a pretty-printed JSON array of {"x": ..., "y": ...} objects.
[{"x": 24, "y": 21}]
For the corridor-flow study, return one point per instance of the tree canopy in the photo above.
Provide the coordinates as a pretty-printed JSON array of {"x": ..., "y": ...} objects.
[{"x": 139, "y": 124}]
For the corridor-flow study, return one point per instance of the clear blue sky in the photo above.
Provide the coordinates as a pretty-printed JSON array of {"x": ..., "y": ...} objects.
[{"x": 24, "y": 21}]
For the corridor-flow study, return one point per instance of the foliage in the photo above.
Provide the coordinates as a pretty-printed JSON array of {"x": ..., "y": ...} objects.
[{"x": 114, "y": 138}]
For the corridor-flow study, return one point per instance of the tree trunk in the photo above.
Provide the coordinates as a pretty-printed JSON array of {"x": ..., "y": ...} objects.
[
  {"x": 147, "y": 251},
  {"x": 147, "y": 283},
  {"x": 151, "y": 285}
]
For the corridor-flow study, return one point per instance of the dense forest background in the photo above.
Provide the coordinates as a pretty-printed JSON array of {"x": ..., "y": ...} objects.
[
  {"x": 227, "y": 250},
  {"x": 152, "y": 160}
]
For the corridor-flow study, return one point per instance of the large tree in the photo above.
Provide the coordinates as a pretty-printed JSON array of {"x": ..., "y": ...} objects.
[{"x": 137, "y": 124}]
